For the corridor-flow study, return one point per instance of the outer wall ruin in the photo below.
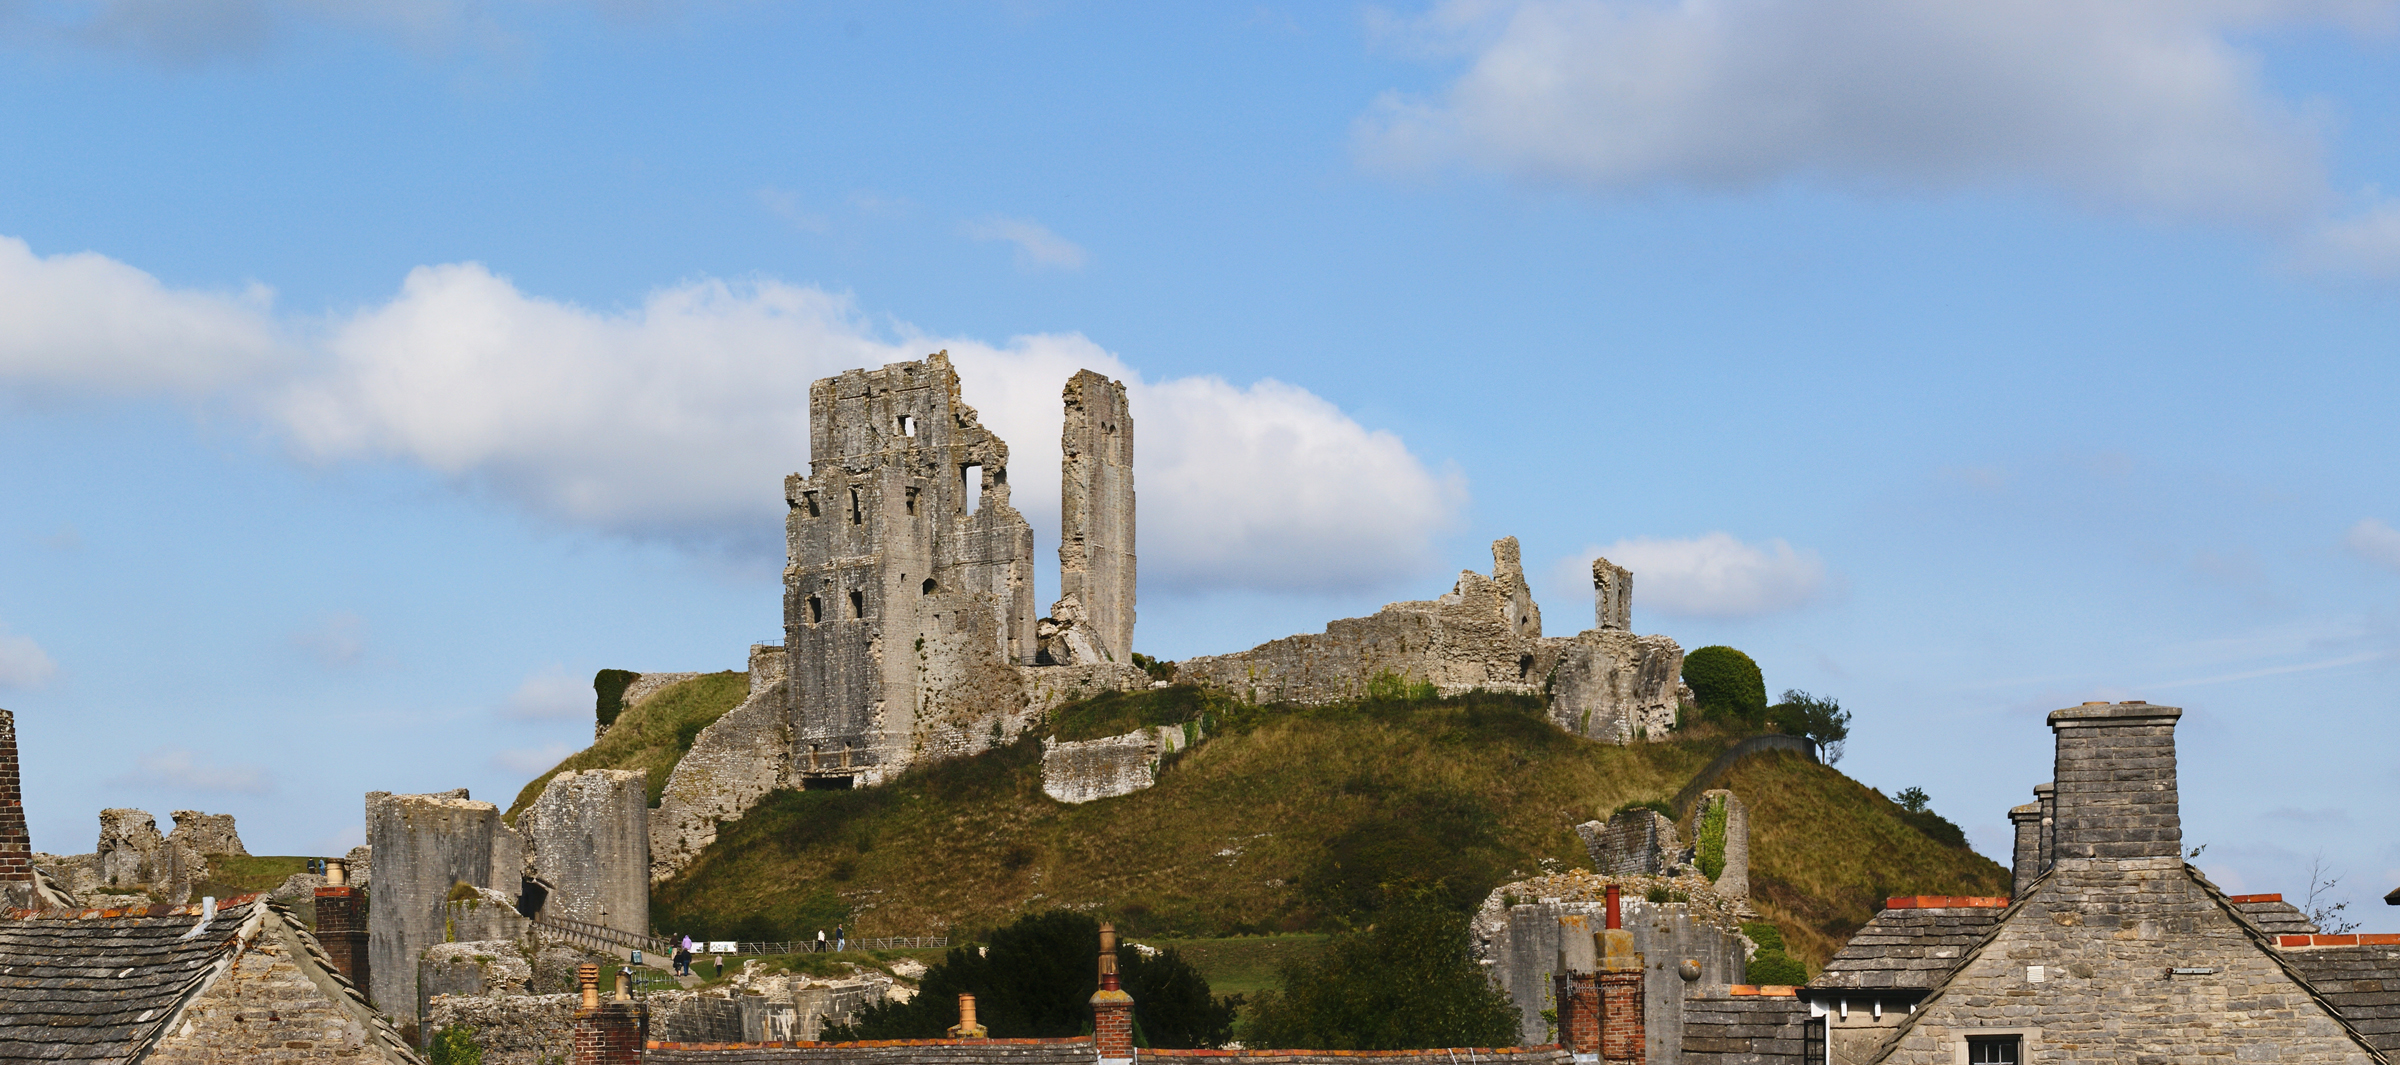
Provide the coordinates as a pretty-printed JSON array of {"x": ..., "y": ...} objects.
[{"x": 1095, "y": 542}]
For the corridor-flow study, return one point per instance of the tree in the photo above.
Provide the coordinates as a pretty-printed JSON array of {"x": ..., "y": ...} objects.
[
  {"x": 1406, "y": 982},
  {"x": 2326, "y": 914},
  {"x": 1726, "y": 682},
  {"x": 1821, "y": 721},
  {"x": 1914, "y": 800},
  {"x": 1036, "y": 978}
]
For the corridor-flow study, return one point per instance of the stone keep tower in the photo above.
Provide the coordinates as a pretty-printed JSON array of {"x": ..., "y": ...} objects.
[
  {"x": 1095, "y": 544},
  {"x": 909, "y": 588}
]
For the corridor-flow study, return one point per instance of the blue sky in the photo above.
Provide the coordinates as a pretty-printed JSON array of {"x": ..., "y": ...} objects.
[{"x": 371, "y": 374}]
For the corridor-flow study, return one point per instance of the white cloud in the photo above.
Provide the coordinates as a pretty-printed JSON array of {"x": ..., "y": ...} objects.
[
  {"x": 2147, "y": 103},
  {"x": 550, "y": 693},
  {"x": 1712, "y": 576},
  {"x": 86, "y": 322},
  {"x": 532, "y": 761},
  {"x": 23, "y": 663},
  {"x": 180, "y": 769},
  {"x": 1037, "y": 246},
  {"x": 335, "y": 640},
  {"x": 2376, "y": 542},
  {"x": 2365, "y": 244}
]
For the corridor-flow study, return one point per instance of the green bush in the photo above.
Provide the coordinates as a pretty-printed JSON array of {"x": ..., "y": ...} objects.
[
  {"x": 1390, "y": 687},
  {"x": 609, "y": 686},
  {"x": 1712, "y": 839},
  {"x": 1772, "y": 964},
  {"x": 455, "y": 1045},
  {"x": 1727, "y": 683},
  {"x": 1407, "y": 982},
  {"x": 1158, "y": 670},
  {"x": 1035, "y": 980}
]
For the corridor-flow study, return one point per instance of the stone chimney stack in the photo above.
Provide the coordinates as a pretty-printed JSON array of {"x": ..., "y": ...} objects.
[
  {"x": 2116, "y": 782},
  {"x": 16, "y": 842},
  {"x": 1577, "y": 988},
  {"x": 1112, "y": 1009},
  {"x": 2026, "y": 857},
  {"x": 1621, "y": 1037},
  {"x": 342, "y": 924}
]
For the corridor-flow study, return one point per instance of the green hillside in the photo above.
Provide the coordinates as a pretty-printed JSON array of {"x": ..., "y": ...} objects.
[
  {"x": 652, "y": 735},
  {"x": 1286, "y": 820}
]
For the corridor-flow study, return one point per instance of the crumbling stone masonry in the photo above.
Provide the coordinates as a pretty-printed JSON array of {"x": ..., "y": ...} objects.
[
  {"x": 587, "y": 845},
  {"x": 1612, "y": 596},
  {"x": 1079, "y": 771},
  {"x": 425, "y": 847},
  {"x": 733, "y": 763},
  {"x": 1604, "y": 683},
  {"x": 1095, "y": 543},
  {"x": 1633, "y": 842},
  {"x": 134, "y": 863},
  {"x": 1688, "y": 947}
]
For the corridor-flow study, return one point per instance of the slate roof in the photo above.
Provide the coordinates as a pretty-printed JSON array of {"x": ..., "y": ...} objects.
[
  {"x": 2272, "y": 915},
  {"x": 97, "y": 985},
  {"x": 1908, "y": 949},
  {"x": 2361, "y": 982}
]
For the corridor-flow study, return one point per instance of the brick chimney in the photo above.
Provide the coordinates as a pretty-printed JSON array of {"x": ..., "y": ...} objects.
[
  {"x": 342, "y": 923},
  {"x": 2116, "y": 782},
  {"x": 1621, "y": 1039},
  {"x": 1576, "y": 986},
  {"x": 2026, "y": 858},
  {"x": 1112, "y": 1009},
  {"x": 605, "y": 1033},
  {"x": 16, "y": 843}
]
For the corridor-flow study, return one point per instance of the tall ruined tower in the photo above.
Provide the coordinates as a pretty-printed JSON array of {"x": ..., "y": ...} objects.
[
  {"x": 908, "y": 595},
  {"x": 1095, "y": 542}
]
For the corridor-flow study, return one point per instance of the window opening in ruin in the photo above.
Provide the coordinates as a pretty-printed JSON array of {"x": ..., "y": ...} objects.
[
  {"x": 858, "y": 604},
  {"x": 808, "y": 500},
  {"x": 816, "y": 610},
  {"x": 857, "y": 516},
  {"x": 531, "y": 894},
  {"x": 930, "y": 586},
  {"x": 912, "y": 499},
  {"x": 972, "y": 477},
  {"x": 1524, "y": 666},
  {"x": 1993, "y": 1050},
  {"x": 825, "y": 783},
  {"x": 908, "y": 425}
]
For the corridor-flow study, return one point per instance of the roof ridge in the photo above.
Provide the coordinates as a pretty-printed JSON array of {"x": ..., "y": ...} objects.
[{"x": 2260, "y": 938}]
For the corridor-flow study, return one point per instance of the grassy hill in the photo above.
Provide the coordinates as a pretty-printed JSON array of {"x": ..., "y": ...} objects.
[
  {"x": 652, "y": 735},
  {"x": 1285, "y": 820}
]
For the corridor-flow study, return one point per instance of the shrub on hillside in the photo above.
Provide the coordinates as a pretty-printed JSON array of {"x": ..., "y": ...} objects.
[
  {"x": 1710, "y": 851},
  {"x": 1772, "y": 964},
  {"x": 1035, "y": 980},
  {"x": 1406, "y": 982},
  {"x": 608, "y": 689},
  {"x": 1727, "y": 683},
  {"x": 1821, "y": 721}
]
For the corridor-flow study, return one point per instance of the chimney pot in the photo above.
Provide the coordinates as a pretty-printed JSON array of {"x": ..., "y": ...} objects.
[
  {"x": 1614, "y": 920},
  {"x": 587, "y": 976}
]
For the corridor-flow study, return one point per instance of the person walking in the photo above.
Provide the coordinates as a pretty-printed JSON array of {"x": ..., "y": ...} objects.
[
  {"x": 820, "y": 941},
  {"x": 840, "y": 941}
]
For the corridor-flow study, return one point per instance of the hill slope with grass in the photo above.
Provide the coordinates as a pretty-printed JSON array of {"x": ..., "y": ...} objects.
[
  {"x": 1286, "y": 819},
  {"x": 652, "y": 735}
]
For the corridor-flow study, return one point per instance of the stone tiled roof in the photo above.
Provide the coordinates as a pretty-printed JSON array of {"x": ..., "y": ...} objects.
[
  {"x": 1744, "y": 1029},
  {"x": 2361, "y": 982},
  {"x": 96, "y": 985},
  {"x": 1908, "y": 949},
  {"x": 2273, "y": 915},
  {"x": 1066, "y": 1052}
]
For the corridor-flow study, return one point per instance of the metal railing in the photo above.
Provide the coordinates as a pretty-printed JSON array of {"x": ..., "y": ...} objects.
[
  {"x": 600, "y": 935},
  {"x": 807, "y": 946}
]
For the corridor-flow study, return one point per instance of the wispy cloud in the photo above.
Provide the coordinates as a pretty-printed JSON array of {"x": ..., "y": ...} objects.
[
  {"x": 23, "y": 663},
  {"x": 2273, "y": 671},
  {"x": 1712, "y": 576},
  {"x": 2376, "y": 542},
  {"x": 785, "y": 205},
  {"x": 1037, "y": 246},
  {"x": 548, "y": 694},
  {"x": 176, "y": 768},
  {"x": 336, "y": 639}
]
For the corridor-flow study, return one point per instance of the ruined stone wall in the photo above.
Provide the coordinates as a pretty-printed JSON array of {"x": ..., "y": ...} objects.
[
  {"x": 1095, "y": 543},
  {"x": 1487, "y": 633},
  {"x": 424, "y": 845},
  {"x": 733, "y": 763},
  {"x": 1612, "y": 596},
  {"x": 511, "y": 1029},
  {"x": 1615, "y": 687},
  {"x": 587, "y": 839},
  {"x": 903, "y": 607},
  {"x": 1522, "y": 942},
  {"x": 1636, "y": 842},
  {"x": 1080, "y": 771},
  {"x": 1733, "y": 881}
]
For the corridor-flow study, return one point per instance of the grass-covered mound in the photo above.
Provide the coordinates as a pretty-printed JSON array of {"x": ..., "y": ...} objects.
[
  {"x": 652, "y": 735},
  {"x": 1286, "y": 819}
]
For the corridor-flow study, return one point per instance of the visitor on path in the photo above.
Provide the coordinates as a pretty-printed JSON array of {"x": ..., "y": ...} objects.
[
  {"x": 840, "y": 941},
  {"x": 720, "y": 965},
  {"x": 683, "y": 961},
  {"x": 820, "y": 941}
]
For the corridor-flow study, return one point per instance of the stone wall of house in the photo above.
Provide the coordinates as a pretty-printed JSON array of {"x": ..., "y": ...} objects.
[
  {"x": 511, "y": 1029},
  {"x": 1095, "y": 543},
  {"x": 1079, "y": 771},
  {"x": 587, "y": 840},
  {"x": 275, "y": 1003}
]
